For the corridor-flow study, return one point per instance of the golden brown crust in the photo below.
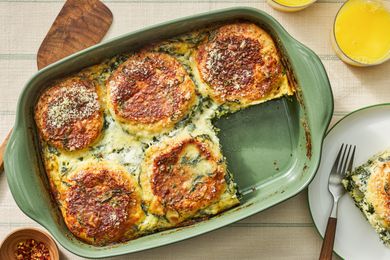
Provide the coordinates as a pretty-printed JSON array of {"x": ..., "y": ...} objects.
[
  {"x": 68, "y": 114},
  {"x": 183, "y": 178},
  {"x": 102, "y": 204},
  {"x": 150, "y": 92},
  {"x": 378, "y": 192},
  {"x": 239, "y": 64}
]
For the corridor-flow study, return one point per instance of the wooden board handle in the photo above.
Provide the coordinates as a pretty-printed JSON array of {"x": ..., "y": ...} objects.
[
  {"x": 2, "y": 150},
  {"x": 327, "y": 244}
]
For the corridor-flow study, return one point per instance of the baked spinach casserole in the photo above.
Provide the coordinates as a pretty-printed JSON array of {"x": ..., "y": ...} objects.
[
  {"x": 129, "y": 146},
  {"x": 369, "y": 186}
]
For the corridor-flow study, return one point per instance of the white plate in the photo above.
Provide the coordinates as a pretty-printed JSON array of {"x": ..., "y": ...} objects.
[{"x": 369, "y": 130}]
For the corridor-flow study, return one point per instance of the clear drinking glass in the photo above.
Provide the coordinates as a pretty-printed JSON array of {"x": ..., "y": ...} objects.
[
  {"x": 346, "y": 55},
  {"x": 289, "y": 8}
]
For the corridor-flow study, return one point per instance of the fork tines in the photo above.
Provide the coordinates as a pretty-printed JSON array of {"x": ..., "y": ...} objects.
[{"x": 345, "y": 164}]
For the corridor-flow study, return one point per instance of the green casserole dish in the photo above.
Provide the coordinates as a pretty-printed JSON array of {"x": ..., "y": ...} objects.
[{"x": 272, "y": 149}]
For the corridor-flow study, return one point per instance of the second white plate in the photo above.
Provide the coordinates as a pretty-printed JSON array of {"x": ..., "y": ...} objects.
[{"x": 369, "y": 130}]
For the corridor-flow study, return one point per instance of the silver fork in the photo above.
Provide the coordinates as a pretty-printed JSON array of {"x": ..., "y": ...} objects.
[{"x": 342, "y": 165}]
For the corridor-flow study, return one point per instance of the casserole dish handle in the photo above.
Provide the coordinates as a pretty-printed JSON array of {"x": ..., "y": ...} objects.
[
  {"x": 318, "y": 96},
  {"x": 16, "y": 158}
]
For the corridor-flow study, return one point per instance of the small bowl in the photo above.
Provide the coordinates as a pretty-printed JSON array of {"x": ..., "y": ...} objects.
[
  {"x": 8, "y": 246},
  {"x": 288, "y": 8}
]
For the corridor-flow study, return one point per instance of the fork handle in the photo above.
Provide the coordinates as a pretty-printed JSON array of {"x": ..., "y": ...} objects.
[{"x": 327, "y": 244}]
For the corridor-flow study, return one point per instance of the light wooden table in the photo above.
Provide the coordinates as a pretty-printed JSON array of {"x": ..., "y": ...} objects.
[{"x": 283, "y": 232}]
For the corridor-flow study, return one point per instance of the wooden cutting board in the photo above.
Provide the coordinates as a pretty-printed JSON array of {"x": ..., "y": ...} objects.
[{"x": 80, "y": 24}]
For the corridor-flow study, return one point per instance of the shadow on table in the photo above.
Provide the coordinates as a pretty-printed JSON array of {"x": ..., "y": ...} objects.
[
  {"x": 62, "y": 255},
  {"x": 368, "y": 76}
]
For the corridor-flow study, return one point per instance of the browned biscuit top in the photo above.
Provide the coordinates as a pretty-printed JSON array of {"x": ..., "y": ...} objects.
[
  {"x": 68, "y": 114},
  {"x": 151, "y": 88},
  {"x": 187, "y": 177},
  {"x": 101, "y": 204},
  {"x": 378, "y": 191},
  {"x": 239, "y": 62}
]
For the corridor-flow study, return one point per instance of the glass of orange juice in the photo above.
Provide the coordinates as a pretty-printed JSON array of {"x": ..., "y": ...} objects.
[
  {"x": 361, "y": 32},
  {"x": 290, "y": 5}
]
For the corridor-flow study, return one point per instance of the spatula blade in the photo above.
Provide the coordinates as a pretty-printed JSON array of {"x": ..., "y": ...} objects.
[{"x": 80, "y": 24}]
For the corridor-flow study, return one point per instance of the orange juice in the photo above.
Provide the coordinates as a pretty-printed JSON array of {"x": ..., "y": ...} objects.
[
  {"x": 290, "y": 5},
  {"x": 362, "y": 31},
  {"x": 293, "y": 2}
]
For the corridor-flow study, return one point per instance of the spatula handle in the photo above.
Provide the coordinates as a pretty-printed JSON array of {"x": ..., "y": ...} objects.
[
  {"x": 2, "y": 151},
  {"x": 327, "y": 244}
]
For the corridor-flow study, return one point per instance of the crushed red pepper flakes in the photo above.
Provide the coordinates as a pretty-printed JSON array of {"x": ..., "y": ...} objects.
[{"x": 31, "y": 249}]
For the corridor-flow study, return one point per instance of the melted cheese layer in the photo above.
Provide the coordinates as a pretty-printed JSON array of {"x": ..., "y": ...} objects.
[{"x": 127, "y": 150}]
